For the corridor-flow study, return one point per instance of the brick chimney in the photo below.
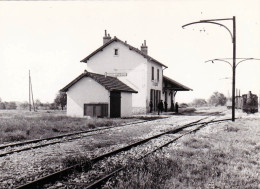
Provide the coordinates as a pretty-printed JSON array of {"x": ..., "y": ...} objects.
[
  {"x": 106, "y": 38},
  {"x": 144, "y": 48}
]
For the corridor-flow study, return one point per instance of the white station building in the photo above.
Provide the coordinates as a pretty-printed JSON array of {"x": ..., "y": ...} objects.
[{"x": 121, "y": 80}]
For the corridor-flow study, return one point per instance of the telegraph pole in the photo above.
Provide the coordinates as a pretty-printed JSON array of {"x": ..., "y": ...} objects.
[
  {"x": 29, "y": 91},
  {"x": 233, "y": 36},
  {"x": 31, "y": 94},
  {"x": 234, "y": 68}
]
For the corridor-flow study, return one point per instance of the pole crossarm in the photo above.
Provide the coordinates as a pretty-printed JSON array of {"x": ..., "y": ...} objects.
[
  {"x": 225, "y": 60},
  {"x": 211, "y": 22},
  {"x": 219, "y": 60},
  {"x": 221, "y": 19},
  {"x": 246, "y": 59}
]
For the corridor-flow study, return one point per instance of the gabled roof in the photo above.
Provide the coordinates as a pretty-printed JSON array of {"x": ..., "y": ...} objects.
[
  {"x": 130, "y": 48},
  {"x": 110, "y": 83},
  {"x": 174, "y": 85}
]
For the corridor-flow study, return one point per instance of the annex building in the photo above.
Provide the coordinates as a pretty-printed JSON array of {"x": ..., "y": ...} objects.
[{"x": 120, "y": 80}]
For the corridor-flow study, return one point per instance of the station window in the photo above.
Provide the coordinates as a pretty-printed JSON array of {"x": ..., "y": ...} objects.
[
  {"x": 96, "y": 110},
  {"x": 116, "y": 52},
  {"x": 152, "y": 73}
]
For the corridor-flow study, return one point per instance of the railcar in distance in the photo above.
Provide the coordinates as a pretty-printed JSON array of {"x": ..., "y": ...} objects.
[{"x": 249, "y": 103}]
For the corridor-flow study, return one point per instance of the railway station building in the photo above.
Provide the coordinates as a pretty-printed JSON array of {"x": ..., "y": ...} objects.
[{"x": 137, "y": 79}]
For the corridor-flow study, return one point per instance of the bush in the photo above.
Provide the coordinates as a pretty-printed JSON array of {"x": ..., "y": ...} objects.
[
  {"x": 183, "y": 105},
  {"x": 2, "y": 106},
  {"x": 187, "y": 110},
  {"x": 14, "y": 136},
  {"x": 82, "y": 160},
  {"x": 10, "y": 105},
  {"x": 199, "y": 102},
  {"x": 231, "y": 129}
]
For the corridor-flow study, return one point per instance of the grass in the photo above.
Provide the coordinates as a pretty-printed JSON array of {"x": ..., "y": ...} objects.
[
  {"x": 223, "y": 156},
  {"x": 18, "y": 125}
]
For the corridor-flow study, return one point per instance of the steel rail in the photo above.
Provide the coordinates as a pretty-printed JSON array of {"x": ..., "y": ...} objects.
[
  {"x": 99, "y": 182},
  {"x": 65, "y": 135},
  {"x": 59, "y": 174},
  {"x": 58, "y": 137}
]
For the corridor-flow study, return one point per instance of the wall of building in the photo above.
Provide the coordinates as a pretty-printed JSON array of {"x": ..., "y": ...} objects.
[
  {"x": 153, "y": 84},
  {"x": 126, "y": 104},
  {"x": 85, "y": 91},
  {"x": 127, "y": 61}
]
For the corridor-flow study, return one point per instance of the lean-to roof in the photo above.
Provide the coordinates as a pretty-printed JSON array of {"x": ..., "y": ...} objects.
[{"x": 174, "y": 85}]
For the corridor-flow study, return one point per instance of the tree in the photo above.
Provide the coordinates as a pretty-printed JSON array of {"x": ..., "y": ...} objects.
[
  {"x": 53, "y": 106},
  {"x": 199, "y": 102},
  {"x": 217, "y": 99},
  {"x": 61, "y": 100},
  {"x": 38, "y": 104},
  {"x": 10, "y": 105},
  {"x": 2, "y": 106},
  {"x": 24, "y": 105}
]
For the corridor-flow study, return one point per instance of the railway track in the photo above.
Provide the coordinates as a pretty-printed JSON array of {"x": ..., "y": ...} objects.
[
  {"x": 98, "y": 183},
  {"x": 38, "y": 143},
  {"x": 59, "y": 175}
]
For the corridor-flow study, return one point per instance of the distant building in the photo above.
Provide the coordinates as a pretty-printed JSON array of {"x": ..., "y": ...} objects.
[{"x": 134, "y": 68}]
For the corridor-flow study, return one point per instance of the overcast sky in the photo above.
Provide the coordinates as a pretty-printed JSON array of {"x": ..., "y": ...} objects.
[{"x": 51, "y": 37}]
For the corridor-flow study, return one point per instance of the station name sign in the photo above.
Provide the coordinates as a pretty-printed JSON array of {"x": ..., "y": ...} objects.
[{"x": 116, "y": 74}]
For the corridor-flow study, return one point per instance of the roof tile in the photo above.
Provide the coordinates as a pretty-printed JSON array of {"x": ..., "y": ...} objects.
[
  {"x": 129, "y": 46},
  {"x": 110, "y": 83},
  {"x": 176, "y": 85}
]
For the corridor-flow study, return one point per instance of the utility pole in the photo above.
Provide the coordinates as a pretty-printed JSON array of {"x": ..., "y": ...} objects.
[
  {"x": 234, "y": 68},
  {"x": 31, "y": 94},
  {"x": 29, "y": 91},
  {"x": 234, "y": 65},
  {"x": 233, "y": 36},
  {"x": 32, "y": 97}
]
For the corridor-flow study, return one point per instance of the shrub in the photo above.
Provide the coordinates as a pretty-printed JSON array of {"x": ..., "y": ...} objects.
[
  {"x": 183, "y": 105},
  {"x": 199, "y": 102},
  {"x": 14, "y": 136},
  {"x": 82, "y": 160},
  {"x": 231, "y": 129},
  {"x": 91, "y": 126}
]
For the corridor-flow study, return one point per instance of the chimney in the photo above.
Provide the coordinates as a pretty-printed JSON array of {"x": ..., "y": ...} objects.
[
  {"x": 144, "y": 48},
  {"x": 106, "y": 38},
  {"x": 249, "y": 94}
]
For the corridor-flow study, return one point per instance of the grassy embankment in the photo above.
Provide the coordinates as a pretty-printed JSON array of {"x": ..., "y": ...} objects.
[
  {"x": 18, "y": 125},
  {"x": 225, "y": 155}
]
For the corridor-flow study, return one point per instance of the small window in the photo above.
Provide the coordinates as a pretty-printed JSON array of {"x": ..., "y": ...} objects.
[
  {"x": 152, "y": 73},
  {"x": 96, "y": 110},
  {"x": 158, "y": 74},
  {"x": 116, "y": 52}
]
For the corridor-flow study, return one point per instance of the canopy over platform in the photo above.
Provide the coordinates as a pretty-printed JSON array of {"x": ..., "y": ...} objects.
[{"x": 170, "y": 84}]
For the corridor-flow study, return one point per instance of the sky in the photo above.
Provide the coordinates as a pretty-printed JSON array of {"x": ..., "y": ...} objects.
[{"x": 49, "y": 38}]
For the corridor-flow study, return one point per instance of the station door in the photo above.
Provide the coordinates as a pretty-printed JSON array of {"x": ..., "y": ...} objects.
[
  {"x": 115, "y": 104},
  {"x": 155, "y": 96}
]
